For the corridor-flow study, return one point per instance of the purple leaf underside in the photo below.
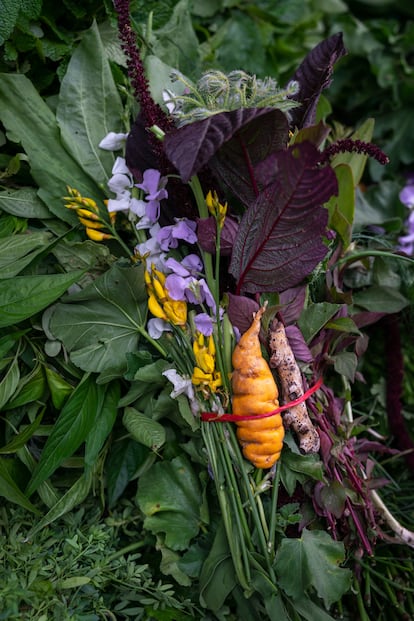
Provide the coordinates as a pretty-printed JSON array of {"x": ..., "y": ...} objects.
[
  {"x": 279, "y": 241},
  {"x": 314, "y": 75},
  {"x": 191, "y": 147}
]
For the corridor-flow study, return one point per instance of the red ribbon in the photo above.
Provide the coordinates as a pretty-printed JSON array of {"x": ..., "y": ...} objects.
[{"x": 213, "y": 417}]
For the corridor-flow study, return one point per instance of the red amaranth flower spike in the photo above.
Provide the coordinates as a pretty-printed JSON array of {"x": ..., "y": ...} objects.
[
  {"x": 151, "y": 112},
  {"x": 347, "y": 145}
]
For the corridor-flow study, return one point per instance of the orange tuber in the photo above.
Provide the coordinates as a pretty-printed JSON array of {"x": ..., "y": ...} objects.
[{"x": 255, "y": 392}]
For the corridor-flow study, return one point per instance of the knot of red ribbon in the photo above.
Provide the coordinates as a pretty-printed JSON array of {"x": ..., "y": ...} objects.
[{"x": 213, "y": 417}]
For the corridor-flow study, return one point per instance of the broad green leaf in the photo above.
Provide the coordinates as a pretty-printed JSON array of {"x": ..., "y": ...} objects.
[
  {"x": 170, "y": 497},
  {"x": 124, "y": 460},
  {"x": 9, "y": 382},
  {"x": 169, "y": 564},
  {"x": 8, "y": 341},
  {"x": 81, "y": 255},
  {"x": 217, "y": 578},
  {"x": 17, "y": 251},
  {"x": 312, "y": 561},
  {"x": 104, "y": 422},
  {"x": 30, "y": 388},
  {"x": 380, "y": 299},
  {"x": 103, "y": 322},
  {"x": 24, "y": 203},
  {"x": 311, "y": 611},
  {"x": 24, "y": 296},
  {"x": 21, "y": 438},
  {"x": 9, "y": 489},
  {"x": 46, "y": 491},
  {"x": 89, "y": 107},
  {"x": 314, "y": 318},
  {"x": 73, "y": 425},
  {"x": 296, "y": 468},
  {"x": 59, "y": 388},
  {"x": 143, "y": 429},
  {"x": 342, "y": 207},
  {"x": 345, "y": 363},
  {"x": 73, "y": 497},
  {"x": 356, "y": 161},
  {"x": 343, "y": 324},
  {"x": 36, "y": 128}
]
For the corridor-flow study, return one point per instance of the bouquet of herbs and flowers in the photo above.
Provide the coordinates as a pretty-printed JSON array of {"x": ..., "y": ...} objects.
[{"x": 221, "y": 320}]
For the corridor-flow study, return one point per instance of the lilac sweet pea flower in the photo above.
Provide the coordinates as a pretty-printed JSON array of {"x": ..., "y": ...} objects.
[
  {"x": 204, "y": 324},
  {"x": 406, "y": 242},
  {"x": 151, "y": 250},
  {"x": 154, "y": 187},
  {"x": 183, "y": 229}
]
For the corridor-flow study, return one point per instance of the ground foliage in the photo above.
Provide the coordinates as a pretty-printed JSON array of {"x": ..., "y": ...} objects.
[{"x": 93, "y": 418}]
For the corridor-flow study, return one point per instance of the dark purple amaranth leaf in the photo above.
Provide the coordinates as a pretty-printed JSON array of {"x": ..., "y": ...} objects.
[
  {"x": 292, "y": 302},
  {"x": 298, "y": 344},
  {"x": 206, "y": 235},
  {"x": 191, "y": 147},
  {"x": 240, "y": 310},
  {"x": 247, "y": 162},
  {"x": 279, "y": 242},
  {"x": 314, "y": 75},
  {"x": 139, "y": 153}
]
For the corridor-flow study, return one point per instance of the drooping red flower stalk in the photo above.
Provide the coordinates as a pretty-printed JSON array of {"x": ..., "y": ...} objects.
[
  {"x": 151, "y": 112},
  {"x": 347, "y": 145},
  {"x": 395, "y": 375}
]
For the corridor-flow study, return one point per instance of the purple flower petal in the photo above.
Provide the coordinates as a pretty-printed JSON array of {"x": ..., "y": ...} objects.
[
  {"x": 193, "y": 263},
  {"x": 177, "y": 267},
  {"x": 407, "y": 195},
  {"x": 204, "y": 324},
  {"x": 176, "y": 286}
]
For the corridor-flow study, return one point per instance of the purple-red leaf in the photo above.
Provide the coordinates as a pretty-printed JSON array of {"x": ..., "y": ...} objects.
[
  {"x": 206, "y": 235},
  {"x": 246, "y": 162},
  {"x": 314, "y": 75},
  {"x": 279, "y": 241},
  {"x": 240, "y": 310},
  {"x": 298, "y": 344},
  {"x": 191, "y": 147}
]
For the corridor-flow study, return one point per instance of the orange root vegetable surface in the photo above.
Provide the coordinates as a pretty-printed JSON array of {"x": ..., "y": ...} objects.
[{"x": 255, "y": 392}]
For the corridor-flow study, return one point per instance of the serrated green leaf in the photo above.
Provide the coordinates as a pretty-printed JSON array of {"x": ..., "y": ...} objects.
[
  {"x": 24, "y": 296},
  {"x": 71, "y": 428},
  {"x": 9, "y": 11},
  {"x": 143, "y": 429},
  {"x": 89, "y": 107},
  {"x": 170, "y": 497},
  {"x": 312, "y": 561},
  {"x": 104, "y": 321},
  {"x": 36, "y": 128},
  {"x": 24, "y": 203}
]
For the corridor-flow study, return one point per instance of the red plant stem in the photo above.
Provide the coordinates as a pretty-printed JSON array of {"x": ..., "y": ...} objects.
[{"x": 394, "y": 379}]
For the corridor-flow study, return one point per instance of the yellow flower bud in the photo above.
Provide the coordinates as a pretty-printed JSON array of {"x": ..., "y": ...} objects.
[
  {"x": 97, "y": 235},
  {"x": 159, "y": 290},
  {"x": 86, "y": 213},
  {"x": 155, "y": 308},
  {"x": 91, "y": 224},
  {"x": 176, "y": 312}
]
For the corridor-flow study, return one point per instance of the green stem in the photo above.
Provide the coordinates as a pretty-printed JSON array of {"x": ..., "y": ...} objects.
[
  {"x": 216, "y": 460},
  {"x": 255, "y": 513},
  {"x": 361, "y": 608},
  {"x": 197, "y": 190},
  {"x": 273, "y": 510}
]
